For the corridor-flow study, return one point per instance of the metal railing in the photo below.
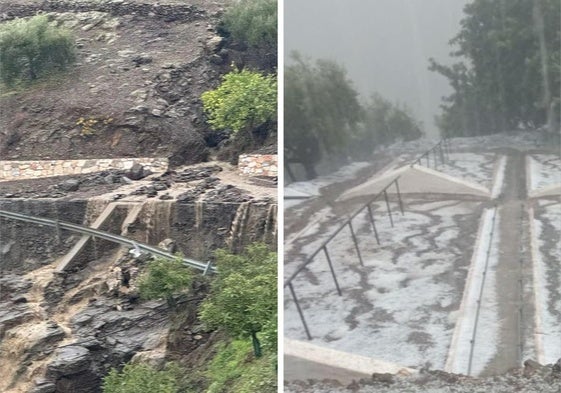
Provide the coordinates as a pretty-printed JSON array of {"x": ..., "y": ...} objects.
[
  {"x": 347, "y": 223},
  {"x": 438, "y": 153},
  {"x": 204, "y": 267}
]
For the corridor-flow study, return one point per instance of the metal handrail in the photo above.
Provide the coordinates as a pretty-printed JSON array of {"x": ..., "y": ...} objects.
[
  {"x": 345, "y": 223},
  {"x": 205, "y": 267},
  {"x": 444, "y": 150}
]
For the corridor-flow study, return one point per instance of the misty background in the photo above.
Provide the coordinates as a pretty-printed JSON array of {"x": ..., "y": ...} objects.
[{"x": 383, "y": 44}]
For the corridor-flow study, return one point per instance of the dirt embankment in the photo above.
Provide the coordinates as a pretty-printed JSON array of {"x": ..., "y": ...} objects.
[{"x": 141, "y": 68}]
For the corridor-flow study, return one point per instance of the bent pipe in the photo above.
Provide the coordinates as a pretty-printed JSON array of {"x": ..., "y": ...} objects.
[{"x": 204, "y": 267}]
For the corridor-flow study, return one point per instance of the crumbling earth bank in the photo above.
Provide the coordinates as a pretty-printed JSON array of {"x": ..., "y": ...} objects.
[{"x": 141, "y": 69}]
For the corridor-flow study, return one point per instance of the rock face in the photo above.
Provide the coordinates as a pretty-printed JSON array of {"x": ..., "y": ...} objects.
[{"x": 69, "y": 360}]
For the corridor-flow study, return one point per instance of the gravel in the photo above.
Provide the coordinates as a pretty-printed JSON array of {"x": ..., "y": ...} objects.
[{"x": 533, "y": 378}]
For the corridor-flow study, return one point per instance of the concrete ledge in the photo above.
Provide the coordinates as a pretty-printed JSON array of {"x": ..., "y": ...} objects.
[
  {"x": 104, "y": 217},
  {"x": 553, "y": 190},
  {"x": 304, "y": 360},
  {"x": 417, "y": 179}
]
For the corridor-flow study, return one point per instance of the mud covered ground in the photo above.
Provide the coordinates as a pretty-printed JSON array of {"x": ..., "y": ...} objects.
[{"x": 141, "y": 69}]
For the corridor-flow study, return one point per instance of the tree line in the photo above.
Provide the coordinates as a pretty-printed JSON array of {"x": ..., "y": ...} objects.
[
  {"x": 507, "y": 70},
  {"x": 324, "y": 116}
]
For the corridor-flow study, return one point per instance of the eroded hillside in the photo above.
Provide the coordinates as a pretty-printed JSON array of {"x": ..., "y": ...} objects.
[{"x": 141, "y": 68}]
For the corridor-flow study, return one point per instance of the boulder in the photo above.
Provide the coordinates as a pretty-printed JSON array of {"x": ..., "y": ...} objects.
[
  {"x": 215, "y": 43},
  {"x": 69, "y": 185},
  {"x": 136, "y": 172},
  {"x": 43, "y": 386},
  {"x": 69, "y": 360}
]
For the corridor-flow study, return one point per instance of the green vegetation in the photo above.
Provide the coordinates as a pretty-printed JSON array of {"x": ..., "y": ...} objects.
[
  {"x": 165, "y": 278},
  {"x": 508, "y": 73},
  {"x": 31, "y": 48},
  {"x": 321, "y": 110},
  {"x": 253, "y": 22},
  {"x": 243, "y": 302},
  {"x": 384, "y": 123},
  {"x": 324, "y": 117},
  {"x": 243, "y": 296},
  {"x": 243, "y": 101},
  {"x": 234, "y": 369},
  {"x": 141, "y": 378}
]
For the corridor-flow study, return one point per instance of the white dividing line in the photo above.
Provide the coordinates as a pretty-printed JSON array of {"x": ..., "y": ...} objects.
[
  {"x": 498, "y": 179},
  {"x": 538, "y": 294},
  {"x": 547, "y": 330},
  {"x": 477, "y": 324}
]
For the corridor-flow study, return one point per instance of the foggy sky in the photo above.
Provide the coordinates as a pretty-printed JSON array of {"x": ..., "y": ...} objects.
[{"x": 383, "y": 44}]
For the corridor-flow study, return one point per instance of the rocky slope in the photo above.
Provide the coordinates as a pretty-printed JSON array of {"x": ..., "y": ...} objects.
[{"x": 141, "y": 69}]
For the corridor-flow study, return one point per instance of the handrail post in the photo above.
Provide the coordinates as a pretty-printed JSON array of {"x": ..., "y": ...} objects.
[
  {"x": 57, "y": 226},
  {"x": 207, "y": 268},
  {"x": 371, "y": 214},
  {"x": 332, "y": 270},
  {"x": 356, "y": 243},
  {"x": 297, "y": 303},
  {"x": 388, "y": 207},
  {"x": 399, "y": 196}
]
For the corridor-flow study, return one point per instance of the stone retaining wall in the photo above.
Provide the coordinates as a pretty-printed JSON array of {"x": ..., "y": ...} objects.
[
  {"x": 258, "y": 165},
  {"x": 17, "y": 170}
]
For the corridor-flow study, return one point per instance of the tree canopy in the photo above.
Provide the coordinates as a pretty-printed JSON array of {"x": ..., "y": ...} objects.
[
  {"x": 30, "y": 48},
  {"x": 243, "y": 296},
  {"x": 508, "y": 75},
  {"x": 323, "y": 116},
  {"x": 253, "y": 22},
  {"x": 383, "y": 123},
  {"x": 321, "y": 109},
  {"x": 244, "y": 100}
]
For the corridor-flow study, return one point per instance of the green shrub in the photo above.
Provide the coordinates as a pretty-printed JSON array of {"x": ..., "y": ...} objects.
[
  {"x": 140, "y": 378},
  {"x": 243, "y": 297},
  {"x": 234, "y": 369},
  {"x": 244, "y": 100},
  {"x": 253, "y": 22},
  {"x": 164, "y": 278},
  {"x": 30, "y": 48}
]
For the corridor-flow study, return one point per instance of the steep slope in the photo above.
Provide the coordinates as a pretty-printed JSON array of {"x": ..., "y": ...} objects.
[{"x": 141, "y": 69}]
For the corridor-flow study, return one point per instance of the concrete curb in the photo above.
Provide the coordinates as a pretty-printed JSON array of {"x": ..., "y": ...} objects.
[{"x": 341, "y": 360}]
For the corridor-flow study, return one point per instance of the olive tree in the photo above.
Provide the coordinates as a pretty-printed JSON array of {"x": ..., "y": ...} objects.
[
  {"x": 30, "y": 48},
  {"x": 244, "y": 100},
  {"x": 243, "y": 297}
]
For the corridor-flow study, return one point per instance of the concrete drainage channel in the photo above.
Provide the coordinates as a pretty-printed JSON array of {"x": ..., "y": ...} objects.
[{"x": 501, "y": 320}]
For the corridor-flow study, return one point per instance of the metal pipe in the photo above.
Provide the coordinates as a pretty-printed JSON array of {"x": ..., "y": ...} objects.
[
  {"x": 356, "y": 243},
  {"x": 388, "y": 207},
  {"x": 332, "y": 270},
  {"x": 399, "y": 197},
  {"x": 371, "y": 214},
  {"x": 299, "y": 311},
  {"x": 105, "y": 236}
]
